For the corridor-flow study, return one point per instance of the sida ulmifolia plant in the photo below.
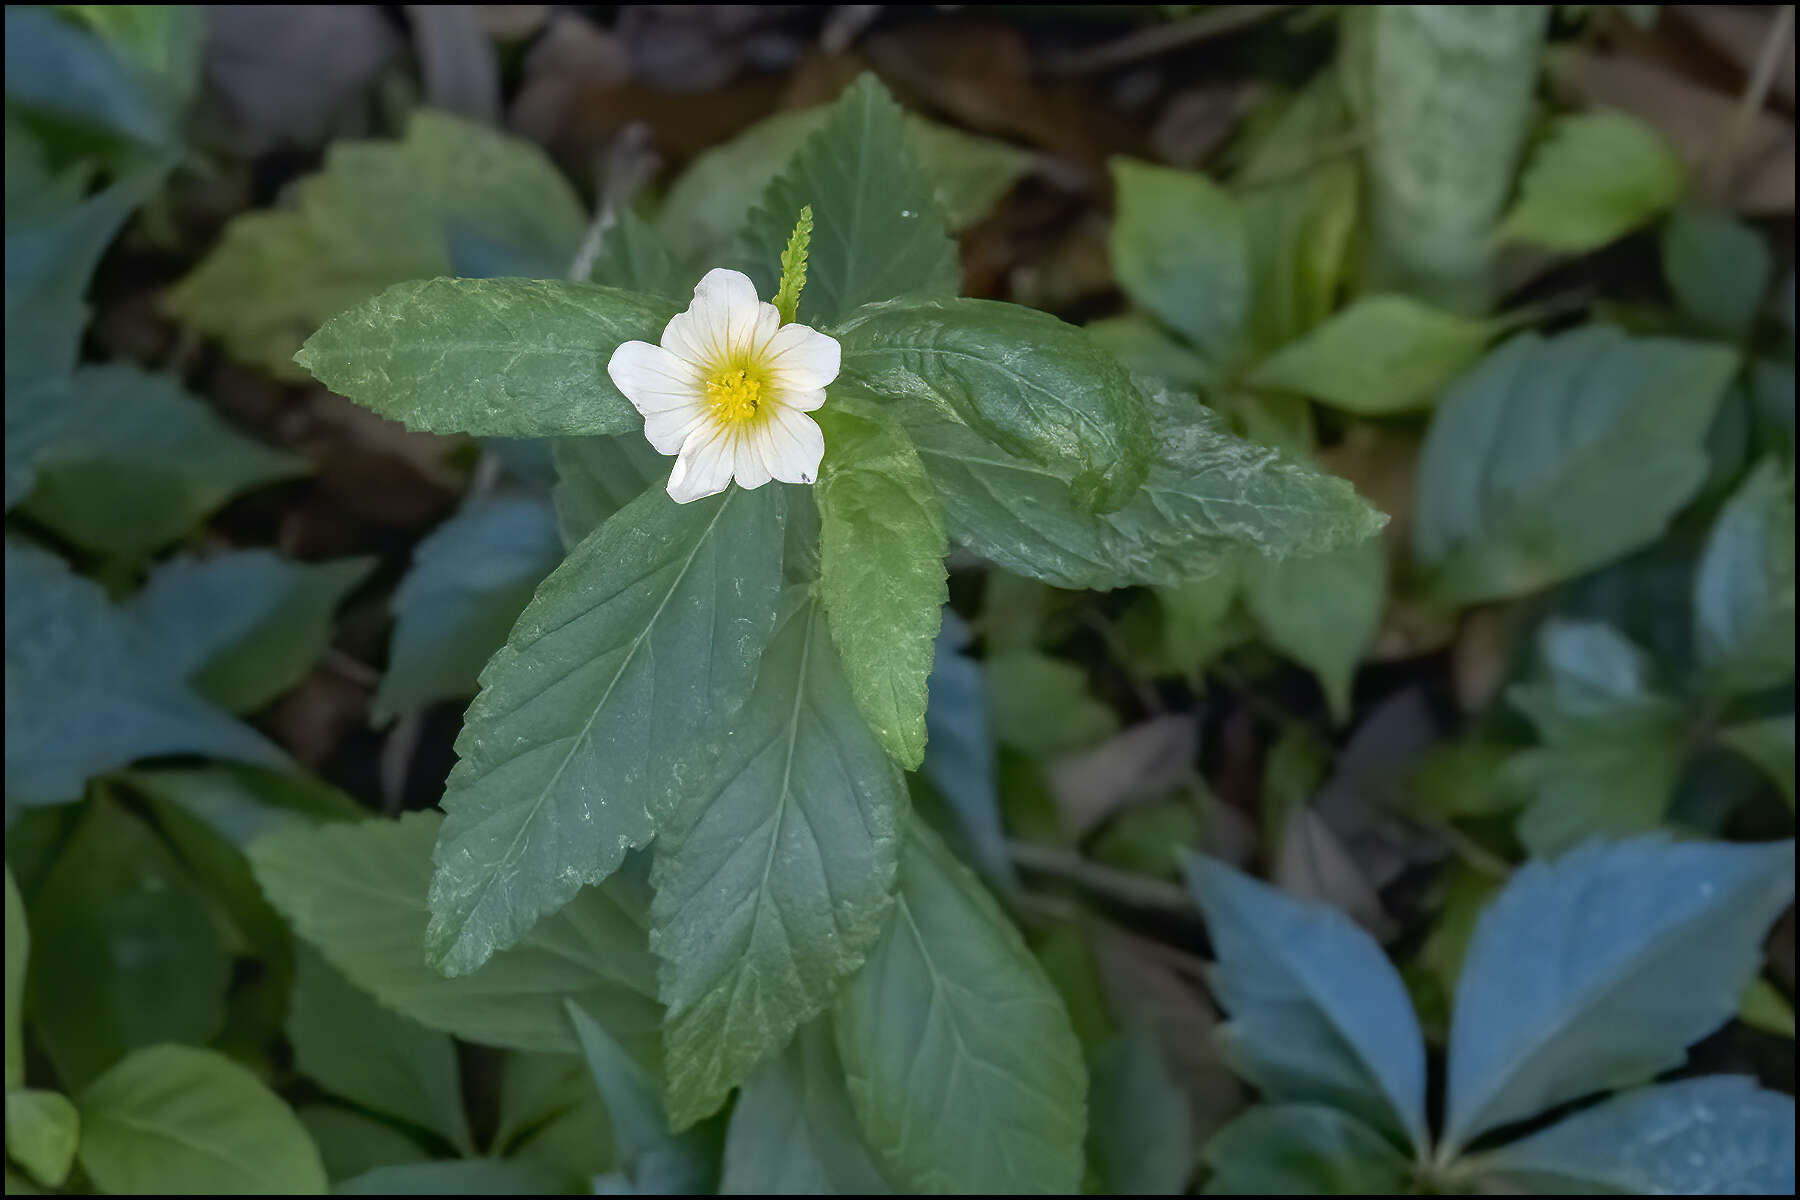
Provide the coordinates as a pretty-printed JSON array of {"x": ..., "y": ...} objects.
[{"x": 726, "y": 675}]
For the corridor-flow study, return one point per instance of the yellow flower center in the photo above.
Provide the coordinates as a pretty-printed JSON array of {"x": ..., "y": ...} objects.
[{"x": 736, "y": 395}]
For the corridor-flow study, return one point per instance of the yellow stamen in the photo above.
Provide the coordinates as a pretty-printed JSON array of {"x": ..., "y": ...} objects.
[{"x": 736, "y": 396}]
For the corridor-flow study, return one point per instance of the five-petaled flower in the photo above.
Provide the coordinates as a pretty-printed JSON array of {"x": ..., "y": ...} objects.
[{"x": 728, "y": 390}]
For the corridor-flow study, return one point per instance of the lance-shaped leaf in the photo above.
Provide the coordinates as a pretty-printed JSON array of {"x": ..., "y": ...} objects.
[
  {"x": 599, "y": 712},
  {"x": 1208, "y": 496},
  {"x": 1033, "y": 386},
  {"x": 881, "y": 573},
  {"x": 493, "y": 357},
  {"x": 772, "y": 880},
  {"x": 963, "y": 1069}
]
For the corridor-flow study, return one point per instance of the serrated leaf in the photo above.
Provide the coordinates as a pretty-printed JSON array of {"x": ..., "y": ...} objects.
[
  {"x": 176, "y": 1119},
  {"x": 1718, "y": 268},
  {"x": 882, "y": 578},
  {"x": 1591, "y": 422},
  {"x": 135, "y": 462},
  {"x": 41, "y": 1131},
  {"x": 1181, "y": 248},
  {"x": 492, "y": 357},
  {"x": 468, "y": 583},
  {"x": 356, "y": 892},
  {"x": 1208, "y": 497},
  {"x": 1769, "y": 743},
  {"x": 962, "y": 1068},
  {"x": 1028, "y": 383},
  {"x": 1329, "y": 639},
  {"x": 361, "y": 1052},
  {"x": 878, "y": 230},
  {"x": 597, "y": 476},
  {"x": 773, "y": 878},
  {"x": 1383, "y": 354},
  {"x": 1141, "y": 1136},
  {"x": 597, "y": 716},
  {"x": 1744, "y": 586},
  {"x": 244, "y": 627},
  {"x": 1598, "y": 970},
  {"x": 792, "y": 1132},
  {"x": 1594, "y": 178},
  {"x": 1720, "y": 1135},
  {"x": 1317, "y": 1013},
  {"x": 86, "y": 693},
  {"x": 380, "y": 213},
  {"x": 1303, "y": 1150}
]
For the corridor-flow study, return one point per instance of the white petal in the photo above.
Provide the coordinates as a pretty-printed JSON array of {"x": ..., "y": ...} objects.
[
  {"x": 726, "y": 320},
  {"x": 804, "y": 401},
  {"x": 749, "y": 466},
  {"x": 668, "y": 391},
  {"x": 792, "y": 445},
  {"x": 703, "y": 468},
  {"x": 801, "y": 359}
]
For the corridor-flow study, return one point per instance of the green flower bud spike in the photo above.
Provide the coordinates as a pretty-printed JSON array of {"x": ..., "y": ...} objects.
[{"x": 793, "y": 267}]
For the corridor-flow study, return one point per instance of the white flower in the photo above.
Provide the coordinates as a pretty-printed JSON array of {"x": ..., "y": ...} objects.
[{"x": 728, "y": 390}]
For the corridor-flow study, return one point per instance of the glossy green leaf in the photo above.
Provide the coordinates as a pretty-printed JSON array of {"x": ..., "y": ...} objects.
[
  {"x": 1720, "y": 1135},
  {"x": 962, "y": 1068},
  {"x": 598, "y": 715},
  {"x": 380, "y": 213},
  {"x": 1718, "y": 268},
  {"x": 41, "y": 1131},
  {"x": 180, "y": 1120},
  {"x": 1598, "y": 970},
  {"x": 1303, "y": 1150},
  {"x": 1141, "y": 1136},
  {"x": 1595, "y": 177},
  {"x": 1382, "y": 355},
  {"x": 878, "y": 231},
  {"x": 882, "y": 576},
  {"x": 1180, "y": 247},
  {"x": 1041, "y": 704},
  {"x": 1744, "y": 587},
  {"x": 468, "y": 583},
  {"x": 18, "y": 954},
  {"x": 356, "y": 892},
  {"x": 1031, "y": 385},
  {"x": 1592, "y": 422},
  {"x": 87, "y": 693},
  {"x": 1323, "y": 610},
  {"x": 244, "y": 627},
  {"x": 773, "y": 878},
  {"x": 1769, "y": 743},
  {"x": 1317, "y": 1013},
  {"x": 493, "y": 357}
]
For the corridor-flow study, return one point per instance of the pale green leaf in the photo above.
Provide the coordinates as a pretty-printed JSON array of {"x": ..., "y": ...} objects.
[
  {"x": 772, "y": 878},
  {"x": 1718, "y": 267},
  {"x": 1598, "y": 970},
  {"x": 962, "y": 1068},
  {"x": 1041, "y": 704},
  {"x": 1744, "y": 587},
  {"x": 175, "y": 1120},
  {"x": 1592, "y": 422},
  {"x": 1303, "y": 1150},
  {"x": 1180, "y": 248},
  {"x": 1762, "y": 1007},
  {"x": 1769, "y": 743},
  {"x": 1146, "y": 348},
  {"x": 1596, "y": 177},
  {"x": 1323, "y": 610},
  {"x": 882, "y": 577},
  {"x": 41, "y": 1131}
]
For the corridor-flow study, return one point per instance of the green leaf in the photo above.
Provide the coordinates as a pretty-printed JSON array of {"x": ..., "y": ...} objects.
[
  {"x": 244, "y": 627},
  {"x": 1382, "y": 355},
  {"x": 351, "y": 1143},
  {"x": 1317, "y": 1013},
  {"x": 358, "y": 1051},
  {"x": 878, "y": 231},
  {"x": 597, "y": 476},
  {"x": 492, "y": 357},
  {"x": 1141, "y": 1133},
  {"x": 551, "y": 1112},
  {"x": 656, "y": 1161},
  {"x": 1026, "y": 382},
  {"x": 1744, "y": 587},
  {"x": 178, "y": 1120},
  {"x": 63, "y": 72},
  {"x": 1303, "y": 1150},
  {"x": 1146, "y": 348},
  {"x": 164, "y": 40},
  {"x": 464, "y": 1177},
  {"x": 41, "y": 1131},
  {"x": 18, "y": 954},
  {"x": 356, "y": 892},
  {"x": 1720, "y": 1135},
  {"x": 1330, "y": 639},
  {"x": 1207, "y": 497},
  {"x": 959, "y": 761},
  {"x": 136, "y": 462},
  {"x": 773, "y": 878},
  {"x": 634, "y": 256},
  {"x": 882, "y": 575},
  {"x": 1769, "y": 743},
  {"x": 1598, "y": 970},
  {"x": 1762, "y": 1007},
  {"x": 962, "y": 1067},
  {"x": 86, "y": 693},
  {"x": 595, "y": 718},
  {"x": 1595, "y": 177},
  {"x": 1041, "y": 704},
  {"x": 468, "y": 583},
  {"x": 380, "y": 213},
  {"x": 792, "y": 1132},
  {"x": 139, "y": 958},
  {"x": 1590, "y": 422},
  {"x": 1180, "y": 247},
  {"x": 240, "y": 804},
  {"x": 1718, "y": 267}
]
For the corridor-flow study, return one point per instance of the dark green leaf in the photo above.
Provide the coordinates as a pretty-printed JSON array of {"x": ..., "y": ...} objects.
[
  {"x": 1141, "y": 1134},
  {"x": 18, "y": 953},
  {"x": 1744, "y": 587},
  {"x": 655, "y": 1160},
  {"x": 597, "y": 476},
  {"x": 1718, "y": 267},
  {"x": 1303, "y": 1150},
  {"x": 351, "y": 1143},
  {"x": 1769, "y": 743},
  {"x": 1180, "y": 247},
  {"x": 467, "y": 1177},
  {"x": 241, "y": 804}
]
